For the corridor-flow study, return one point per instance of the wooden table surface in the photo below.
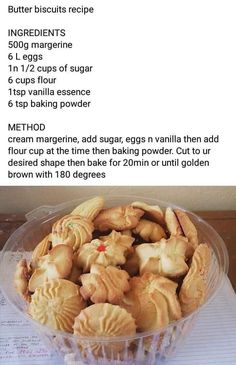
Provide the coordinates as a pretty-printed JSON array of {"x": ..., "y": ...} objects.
[{"x": 224, "y": 223}]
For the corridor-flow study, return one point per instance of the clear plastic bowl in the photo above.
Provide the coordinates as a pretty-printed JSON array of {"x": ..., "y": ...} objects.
[{"x": 143, "y": 348}]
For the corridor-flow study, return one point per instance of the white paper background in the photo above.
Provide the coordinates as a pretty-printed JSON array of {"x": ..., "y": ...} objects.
[{"x": 160, "y": 68}]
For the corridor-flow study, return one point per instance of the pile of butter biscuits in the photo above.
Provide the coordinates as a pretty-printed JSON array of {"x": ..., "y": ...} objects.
[{"x": 115, "y": 271}]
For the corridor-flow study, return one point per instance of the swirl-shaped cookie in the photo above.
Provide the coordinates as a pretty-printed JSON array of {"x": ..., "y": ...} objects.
[
  {"x": 152, "y": 301},
  {"x": 90, "y": 208},
  {"x": 107, "y": 320},
  {"x": 72, "y": 230},
  {"x": 193, "y": 289},
  {"x": 149, "y": 231},
  {"x": 118, "y": 218},
  {"x": 104, "y": 284},
  {"x": 56, "y": 304},
  {"x": 104, "y": 251},
  {"x": 166, "y": 257}
]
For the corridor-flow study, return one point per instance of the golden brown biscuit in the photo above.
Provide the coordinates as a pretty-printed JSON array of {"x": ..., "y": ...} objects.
[
  {"x": 106, "y": 320},
  {"x": 104, "y": 284},
  {"x": 118, "y": 218},
  {"x": 57, "y": 264},
  {"x": 153, "y": 212},
  {"x": 166, "y": 257},
  {"x": 72, "y": 230},
  {"x": 41, "y": 249},
  {"x": 119, "y": 238},
  {"x": 75, "y": 271},
  {"x": 172, "y": 223},
  {"x": 149, "y": 231},
  {"x": 188, "y": 227},
  {"x": 152, "y": 301},
  {"x": 56, "y": 304},
  {"x": 127, "y": 232},
  {"x": 175, "y": 229},
  {"x": 21, "y": 279},
  {"x": 193, "y": 290},
  {"x": 131, "y": 264},
  {"x": 108, "y": 250},
  {"x": 90, "y": 208}
]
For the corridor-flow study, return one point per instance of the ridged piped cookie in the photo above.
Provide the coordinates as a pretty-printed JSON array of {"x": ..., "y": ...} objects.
[
  {"x": 103, "y": 285},
  {"x": 193, "y": 290},
  {"x": 90, "y": 208},
  {"x": 118, "y": 218},
  {"x": 72, "y": 230},
  {"x": 106, "y": 320},
  {"x": 56, "y": 304},
  {"x": 152, "y": 301}
]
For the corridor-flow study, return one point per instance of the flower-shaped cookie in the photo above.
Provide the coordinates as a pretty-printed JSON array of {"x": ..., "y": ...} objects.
[
  {"x": 106, "y": 320},
  {"x": 108, "y": 250},
  {"x": 21, "y": 279},
  {"x": 56, "y": 264},
  {"x": 152, "y": 212},
  {"x": 152, "y": 301},
  {"x": 56, "y": 304},
  {"x": 149, "y": 231},
  {"x": 41, "y": 249},
  {"x": 72, "y": 230},
  {"x": 104, "y": 284},
  {"x": 118, "y": 218},
  {"x": 119, "y": 238},
  {"x": 193, "y": 289},
  {"x": 90, "y": 208},
  {"x": 166, "y": 257}
]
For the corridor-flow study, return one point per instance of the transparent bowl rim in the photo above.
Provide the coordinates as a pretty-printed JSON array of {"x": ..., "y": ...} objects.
[{"x": 60, "y": 207}]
